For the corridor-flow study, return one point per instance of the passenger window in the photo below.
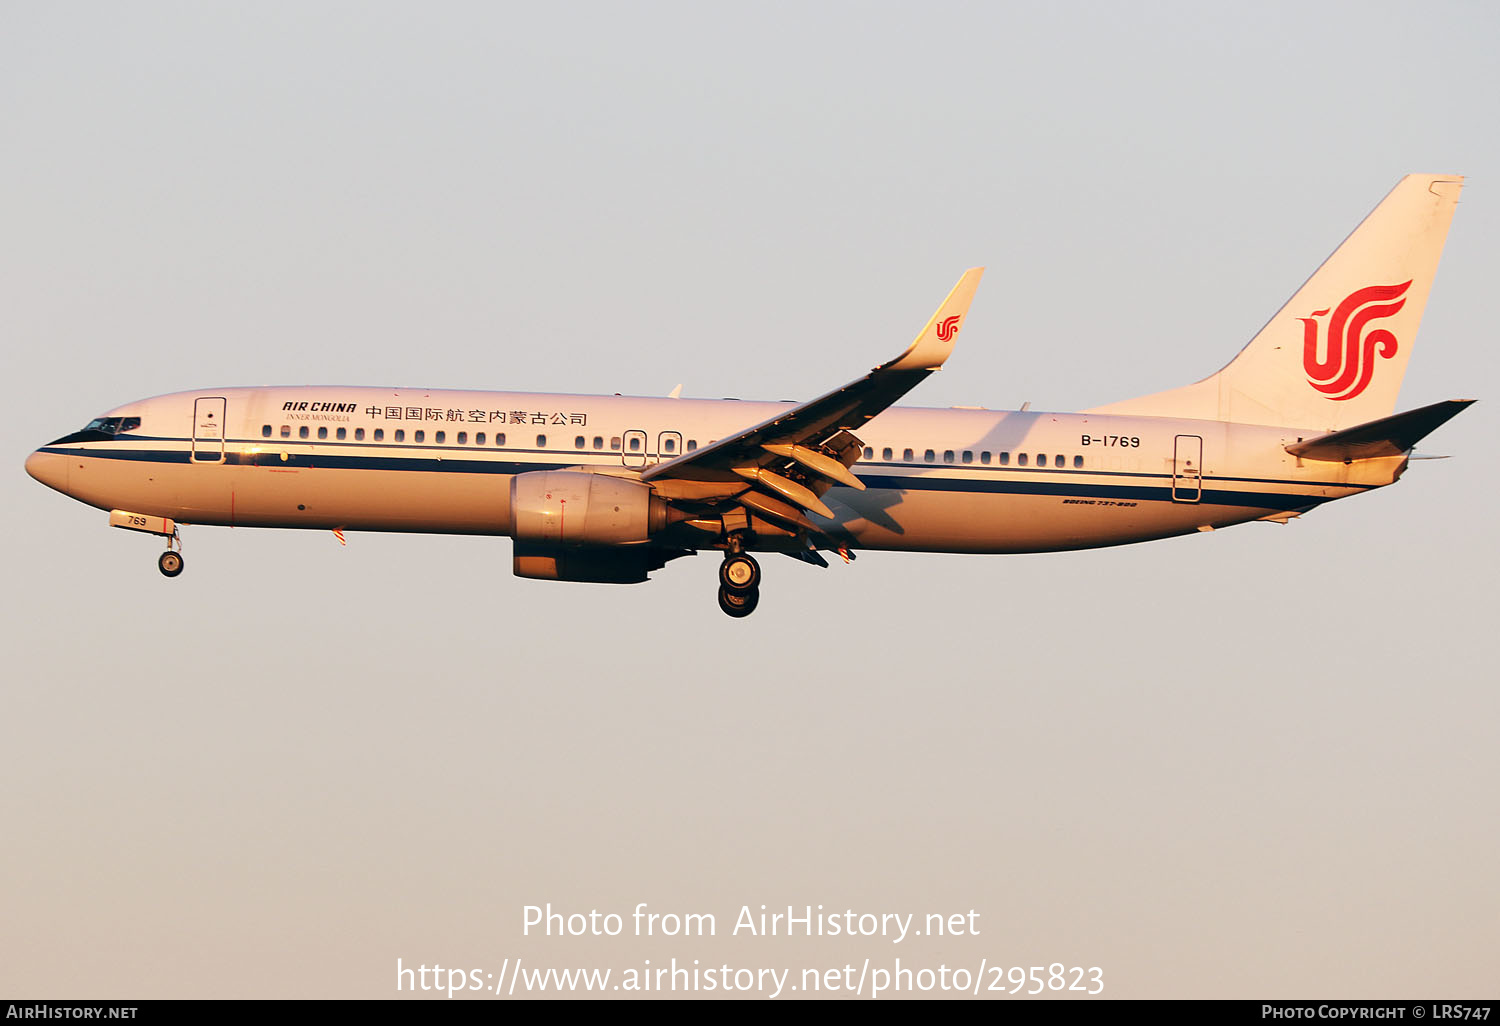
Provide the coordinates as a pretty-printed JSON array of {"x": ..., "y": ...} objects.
[
  {"x": 635, "y": 443},
  {"x": 400, "y": 434},
  {"x": 968, "y": 456},
  {"x": 440, "y": 437},
  {"x": 1077, "y": 462},
  {"x": 419, "y": 436},
  {"x": 342, "y": 434},
  {"x": 1059, "y": 461},
  {"x": 302, "y": 431},
  {"x": 930, "y": 456},
  {"x": 463, "y": 438},
  {"x": 692, "y": 444},
  {"x": 907, "y": 455},
  {"x": 614, "y": 443},
  {"x": 500, "y": 438},
  {"x": 265, "y": 432},
  {"x": 886, "y": 454},
  {"x": 359, "y": 434},
  {"x": 479, "y": 438},
  {"x": 541, "y": 441},
  {"x": 286, "y": 431},
  {"x": 322, "y": 433},
  {"x": 984, "y": 457},
  {"x": 1021, "y": 460},
  {"x": 598, "y": 442},
  {"x": 579, "y": 442},
  {"x": 1005, "y": 459},
  {"x": 869, "y": 453},
  {"x": 670, "y": 445},
  {"x": 947, "y": 455},
  {"x": 380, "y": 434}
]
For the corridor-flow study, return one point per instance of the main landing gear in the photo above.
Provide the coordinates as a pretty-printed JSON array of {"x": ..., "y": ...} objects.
[{"x": 739, "y": 584}]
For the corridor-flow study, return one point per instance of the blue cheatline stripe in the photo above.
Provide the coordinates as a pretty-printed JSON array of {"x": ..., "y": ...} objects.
[
  {"x": 1092, "y": 490},
  {"x": 339, "y": 461},
  {"x": 1060, "y": 486},
  {"x": 865, "y": 467}
]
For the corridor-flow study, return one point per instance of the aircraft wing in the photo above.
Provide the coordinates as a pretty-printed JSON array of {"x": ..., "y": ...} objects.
[{"x": 781, "y": 466}]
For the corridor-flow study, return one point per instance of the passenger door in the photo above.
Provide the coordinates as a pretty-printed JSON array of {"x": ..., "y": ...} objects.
[
  {"x": 1187, "y": 469},
  {"x": 208, "y": 430}
]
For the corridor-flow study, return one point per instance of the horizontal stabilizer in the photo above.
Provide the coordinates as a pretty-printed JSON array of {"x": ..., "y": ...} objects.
[{"x": 1388, "y": 436}]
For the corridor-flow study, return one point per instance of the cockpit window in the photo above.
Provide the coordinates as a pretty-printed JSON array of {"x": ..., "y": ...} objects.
[
  {"x": 102, "y": 429},
  {"x": 114, "y": 425}
]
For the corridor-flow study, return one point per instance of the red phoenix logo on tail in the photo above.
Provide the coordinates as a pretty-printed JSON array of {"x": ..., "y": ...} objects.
[
  {"x": 948, "y": 327},
  {"x": 1349, "y": 354}
]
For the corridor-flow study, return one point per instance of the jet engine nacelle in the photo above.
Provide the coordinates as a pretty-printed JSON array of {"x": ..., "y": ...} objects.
[
  {"x": 588, "y": 565},
  {"x": 568, "y": 508}
]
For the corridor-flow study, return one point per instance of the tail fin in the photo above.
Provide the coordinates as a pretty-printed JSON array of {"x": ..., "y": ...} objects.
[{"x": 1334, "y": 356}]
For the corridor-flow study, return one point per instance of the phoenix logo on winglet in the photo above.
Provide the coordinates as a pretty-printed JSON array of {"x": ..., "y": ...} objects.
[
  {"x": 948, "y": 327},
  {"x": 1349, "y": 358}
]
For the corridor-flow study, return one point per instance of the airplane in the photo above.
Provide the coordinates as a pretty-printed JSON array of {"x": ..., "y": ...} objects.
[{"x": 1303, "y": 415}]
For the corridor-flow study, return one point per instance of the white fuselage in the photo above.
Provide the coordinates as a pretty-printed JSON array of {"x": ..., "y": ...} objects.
[{"x": 937, "y": 480}]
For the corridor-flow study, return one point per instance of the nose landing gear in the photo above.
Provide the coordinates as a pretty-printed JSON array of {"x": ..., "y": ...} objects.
[
  {"x": 170, "y": 562},
  {"x": 739, "y": 584}
]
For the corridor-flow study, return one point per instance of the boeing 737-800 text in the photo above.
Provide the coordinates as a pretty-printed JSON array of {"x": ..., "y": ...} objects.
[{"x": 608, "y": 489}]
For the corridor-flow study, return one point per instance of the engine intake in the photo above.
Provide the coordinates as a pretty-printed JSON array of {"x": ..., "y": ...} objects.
[{"x": 571, "y": 508}]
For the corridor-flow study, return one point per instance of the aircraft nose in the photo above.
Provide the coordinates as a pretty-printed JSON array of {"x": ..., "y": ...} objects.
[{"x": 49, "y": 468}]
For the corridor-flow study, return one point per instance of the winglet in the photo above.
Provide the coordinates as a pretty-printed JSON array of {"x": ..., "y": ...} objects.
[{"x": 936, "y": 340}]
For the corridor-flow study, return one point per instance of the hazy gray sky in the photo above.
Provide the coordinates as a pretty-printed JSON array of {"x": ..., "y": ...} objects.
[{"x": 1254, "y": 763}]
